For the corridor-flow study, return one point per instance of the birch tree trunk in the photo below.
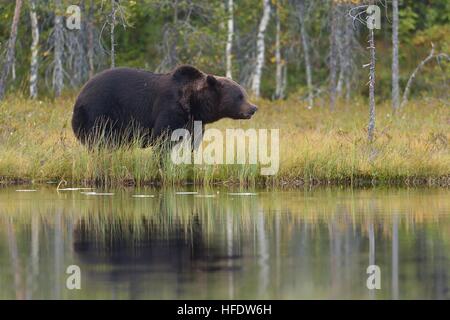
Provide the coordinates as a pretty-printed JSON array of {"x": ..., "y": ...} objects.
[
  {"x": 279, "y": 77},
  {"x": 340, "y": 43},
  {"x": 305, "y": 44},
  {"x": 113, "y": 25},
  {"x": 34, "y": 50},
  {"x": 260, "y": 48},
  {"x": 78, "y": 50},
  {"x": 15, "y": 260},
  {"x": 371, "y": 126},
  {"x": 13, "y": 69},
  {"x": 173, "y": 54},
  {"x": 58, "y": 76},
  {"x": 371, "y": 235},
  {"x": 430, "y": 57},
  {"x": 333, "y": 56},
  {"x": 10, "y": 53},
  {"x": 347, "y": 57},
  {"x": 395, "y": 65},
  {"x": 90, "y": 36},
  {"x": 230, "y": 35},
  {"x": 394, "y": 257}
]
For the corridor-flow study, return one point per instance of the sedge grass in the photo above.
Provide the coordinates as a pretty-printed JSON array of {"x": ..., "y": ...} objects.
[{"x": 316, "y": 147}]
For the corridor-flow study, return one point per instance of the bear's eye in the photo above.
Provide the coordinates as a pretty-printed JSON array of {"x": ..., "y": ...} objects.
[{"x": 241, "y": 96}]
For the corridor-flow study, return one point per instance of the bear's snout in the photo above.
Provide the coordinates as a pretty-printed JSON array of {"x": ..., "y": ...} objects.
[
  {"x": 253, "y": 109},
  {"x": 249, "y": 110}
]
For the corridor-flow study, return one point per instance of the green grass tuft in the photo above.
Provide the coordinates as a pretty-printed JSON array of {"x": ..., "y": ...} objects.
[{"x": 316, "y": 147}]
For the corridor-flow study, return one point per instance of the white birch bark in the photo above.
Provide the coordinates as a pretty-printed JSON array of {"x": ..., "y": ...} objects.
[
  {"x": 340, "y": 82},
  {"x": 430, "y": 57},
  {"x": 77, "y": 50},
  {"x": 334, "y": 52},
  {"x": 371, "y": 235},
  {"x": 394, "y": 257},
  {"x": 90, "y": 36},
  {"x": 230, "y": 35},
  {"x": 32, "y": 282},
  {"x": 10, "y": 53},
  {"x": 58, "y": 76},
  {"x": 279, "y": 79},
  {"x": 260, "y": 48},
  {"x": 305, "y": 44},
  {"x": 34, "y": 65},
  {"x": 113, "y": 25},
  {"x": 347, "y": 57},
  {"x": 395, "y": 65},
  {"x": 13, "y": 69},
  {"x": 339, "y": 40}
]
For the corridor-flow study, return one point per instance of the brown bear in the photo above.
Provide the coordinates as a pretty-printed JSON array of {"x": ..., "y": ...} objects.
[{"x": 118, "y": 105}]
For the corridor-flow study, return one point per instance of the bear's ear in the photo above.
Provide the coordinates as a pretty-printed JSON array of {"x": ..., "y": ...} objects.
[
  {"x": 186, "y": 73},
  {"x": 211, "y": 80}
]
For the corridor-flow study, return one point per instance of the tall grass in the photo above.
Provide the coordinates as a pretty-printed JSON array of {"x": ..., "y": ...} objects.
[{"x": 316, "y": 146}]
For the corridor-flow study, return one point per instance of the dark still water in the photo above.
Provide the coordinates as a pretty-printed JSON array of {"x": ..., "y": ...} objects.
[{"x": 222, "y": 244}]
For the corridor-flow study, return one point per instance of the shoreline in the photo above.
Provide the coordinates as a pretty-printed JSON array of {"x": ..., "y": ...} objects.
[{"x": 403, "y": 182}]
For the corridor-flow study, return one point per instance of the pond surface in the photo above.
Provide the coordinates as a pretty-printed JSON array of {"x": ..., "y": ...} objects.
[{"x": 220, "y": 244}]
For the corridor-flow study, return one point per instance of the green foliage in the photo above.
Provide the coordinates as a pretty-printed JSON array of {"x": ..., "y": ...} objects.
[
  {"x": 408, "y": 20},
  {"x": 196, "y": 32}
]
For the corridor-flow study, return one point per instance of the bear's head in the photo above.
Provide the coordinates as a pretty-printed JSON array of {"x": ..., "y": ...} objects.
[{"x": 209, "y": 98}]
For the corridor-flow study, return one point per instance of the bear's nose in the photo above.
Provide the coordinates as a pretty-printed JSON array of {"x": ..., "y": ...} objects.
[{"x": 253, "y": 109}]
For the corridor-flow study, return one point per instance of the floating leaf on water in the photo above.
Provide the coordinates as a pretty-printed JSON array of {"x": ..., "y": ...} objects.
[
  {"x": 187, "y": 192},
  {"x": 242, "y": 194},
  {"x": 143, "y": 196},
  {"x": 74, "y": 189},
  {"x": 26, "y": 190},
  {"x": 97, "y": 194}
]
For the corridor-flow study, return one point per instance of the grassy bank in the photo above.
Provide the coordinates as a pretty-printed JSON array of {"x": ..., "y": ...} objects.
[{"x": 316, "y": 147}]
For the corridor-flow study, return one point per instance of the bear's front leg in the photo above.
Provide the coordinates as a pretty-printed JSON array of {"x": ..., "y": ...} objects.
[
  {"x": 163, "y": 131},
  {"x": 196, "y": 130}
]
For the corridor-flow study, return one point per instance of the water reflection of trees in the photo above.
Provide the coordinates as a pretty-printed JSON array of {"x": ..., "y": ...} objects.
[{"x": 275, "y": 245}]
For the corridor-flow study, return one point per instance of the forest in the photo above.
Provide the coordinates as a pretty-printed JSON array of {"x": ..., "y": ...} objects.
[{"x": 364, "y": 99}]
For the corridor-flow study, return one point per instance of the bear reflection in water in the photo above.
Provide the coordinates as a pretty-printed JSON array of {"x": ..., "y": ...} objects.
[{"x": 156, "y": 247}]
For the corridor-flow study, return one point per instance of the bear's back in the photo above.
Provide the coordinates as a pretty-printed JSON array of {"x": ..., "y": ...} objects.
[{"x": 119, "y": 95}]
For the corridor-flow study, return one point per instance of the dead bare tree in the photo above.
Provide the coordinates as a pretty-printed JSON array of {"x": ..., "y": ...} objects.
[
  {"x": 75, "y": 53},
  {"x": 371, "y": 23},
  {"x": 34, "y": 65},
  {"x": 182, "y": 33},
  {"x": 429, "y": 58},
  {"x": 80, "y": 71},
  {"x": 116, "y": 15},
  {"x": 344, "y": 47},
  {"x": 75, "y": 58},
  {"x": 170, "y": 37},
  {"x": 371, "y": 127},
  {"x": 10, "y": 53}
]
